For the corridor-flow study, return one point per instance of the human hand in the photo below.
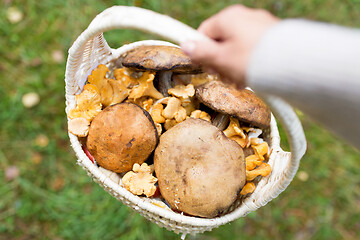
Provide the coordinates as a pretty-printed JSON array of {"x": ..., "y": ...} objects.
[{"x": 234, "y": 33}]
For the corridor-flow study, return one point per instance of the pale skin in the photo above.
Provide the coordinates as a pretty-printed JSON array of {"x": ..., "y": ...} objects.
[{"x": 234, "y": 33}]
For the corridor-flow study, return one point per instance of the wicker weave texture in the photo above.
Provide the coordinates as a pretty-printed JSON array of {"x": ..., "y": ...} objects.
[{"x": 91, "y": 49}]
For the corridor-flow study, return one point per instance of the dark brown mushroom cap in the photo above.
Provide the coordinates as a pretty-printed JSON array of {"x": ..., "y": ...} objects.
[
  {"x": 159, "y": 58},
  {"x": 242, "y": 104}
]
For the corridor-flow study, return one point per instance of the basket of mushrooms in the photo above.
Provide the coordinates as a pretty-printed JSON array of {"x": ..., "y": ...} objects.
[{"x": 176, "y": 144}]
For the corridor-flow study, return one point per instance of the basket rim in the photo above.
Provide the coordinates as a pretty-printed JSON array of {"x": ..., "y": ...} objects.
[{"x": 140, "y": 201}]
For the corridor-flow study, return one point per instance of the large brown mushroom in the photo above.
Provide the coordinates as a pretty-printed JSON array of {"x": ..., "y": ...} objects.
[
  {"x": 200, "y": 171},
  {"x": 165, "y": 60},
  {"x": 120, "y": 136},
  {"x": 242, "y": 104}
]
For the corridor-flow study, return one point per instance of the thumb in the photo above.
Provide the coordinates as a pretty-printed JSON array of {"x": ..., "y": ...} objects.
[{"x": 203, "y": 52}]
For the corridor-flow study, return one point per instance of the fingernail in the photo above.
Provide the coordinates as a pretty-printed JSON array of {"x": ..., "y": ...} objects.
[{"x": 188, "y": 47}]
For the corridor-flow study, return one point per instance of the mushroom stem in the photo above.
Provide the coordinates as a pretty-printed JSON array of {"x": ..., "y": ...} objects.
[
  {"x": 165, "y": 82},
  {"x": 221, "y": 121}
]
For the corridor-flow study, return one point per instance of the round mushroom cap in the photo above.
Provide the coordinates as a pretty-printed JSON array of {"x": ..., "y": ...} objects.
[
  {"x": 242, "y": 104},
  {"x": 200, "y": 171},
  {"x": 120, "y": 136},
  {"x": 159, "y": 58}
]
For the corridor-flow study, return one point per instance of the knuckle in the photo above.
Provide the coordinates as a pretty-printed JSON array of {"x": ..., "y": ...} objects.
[
  {"x": 198, "y": 53},
  {"x": 204, "y": 25}
]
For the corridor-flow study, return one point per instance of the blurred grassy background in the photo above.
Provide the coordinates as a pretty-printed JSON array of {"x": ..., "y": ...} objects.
[{"x": 45, "y": 195}]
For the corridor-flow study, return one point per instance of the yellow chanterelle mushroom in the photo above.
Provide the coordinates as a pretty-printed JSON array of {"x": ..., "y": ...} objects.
[
  {"x": 182, "y": 91},
  {"x": 125, "y": 76},
  {"x": 111, "y": 91},
  {"x": 88, "y": 103},
  {"x": 234, "y": 132},
  {"x": 263, "y": 170},
  {"x": 248, "y": 188},
  {"x": 140, "y": 180},
  {"x": 200, "y": 114},
  {"x": 145, "y": 87}
]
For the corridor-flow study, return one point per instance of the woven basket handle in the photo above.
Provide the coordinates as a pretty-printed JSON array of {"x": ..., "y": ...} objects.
[{"x": 123, "y": 17}]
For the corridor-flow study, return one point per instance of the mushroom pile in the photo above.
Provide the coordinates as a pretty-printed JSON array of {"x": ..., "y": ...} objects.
[{"x": 164, "y": 130}]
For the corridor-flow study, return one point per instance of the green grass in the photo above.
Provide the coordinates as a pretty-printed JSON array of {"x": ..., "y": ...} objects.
[{"x": 53, "y": 198}]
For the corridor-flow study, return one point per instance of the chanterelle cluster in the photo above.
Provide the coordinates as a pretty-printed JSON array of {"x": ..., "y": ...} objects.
[
  {"x": 155, "y": 88},
  {"x": 140, "y": 180}
]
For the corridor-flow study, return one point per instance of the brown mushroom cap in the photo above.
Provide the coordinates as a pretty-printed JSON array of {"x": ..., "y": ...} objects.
[
  {"x": 200, "y": 171},
  {"x": 121, "y": 135},
  {"x": 159, "y": 58},
  {"x": 242, "y": 104}
]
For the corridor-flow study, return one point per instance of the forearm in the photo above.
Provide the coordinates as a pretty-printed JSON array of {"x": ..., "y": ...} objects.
[{"x": 316, "y": 68}]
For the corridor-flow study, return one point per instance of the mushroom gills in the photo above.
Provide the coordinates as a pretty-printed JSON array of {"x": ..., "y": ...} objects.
[
  {"x": 164, "y": 82},
  {"x": 221, "y": 121}
]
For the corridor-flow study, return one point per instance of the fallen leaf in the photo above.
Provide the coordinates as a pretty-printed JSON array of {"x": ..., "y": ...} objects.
[
  {"x": 58, "y": 184},
  {"x": 36, "y": 158},
  {"x": 30, "y": 99},
  {"x": 7, "y": 2},
  {"x": 14, "y": 15},
  {"x": 42, "y": 140},
  {"x": 138, "y": 3},
  {"x": 11, "y": 173},
  {"x": 35, "y": 62},
  {"x": 58, "y": 56},
  {"x": 303, "y": 176},
  {"x": 87, "y": 189}
]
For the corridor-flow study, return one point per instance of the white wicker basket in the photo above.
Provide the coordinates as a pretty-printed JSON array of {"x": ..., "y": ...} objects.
[{"x": 91, "y": 49}]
